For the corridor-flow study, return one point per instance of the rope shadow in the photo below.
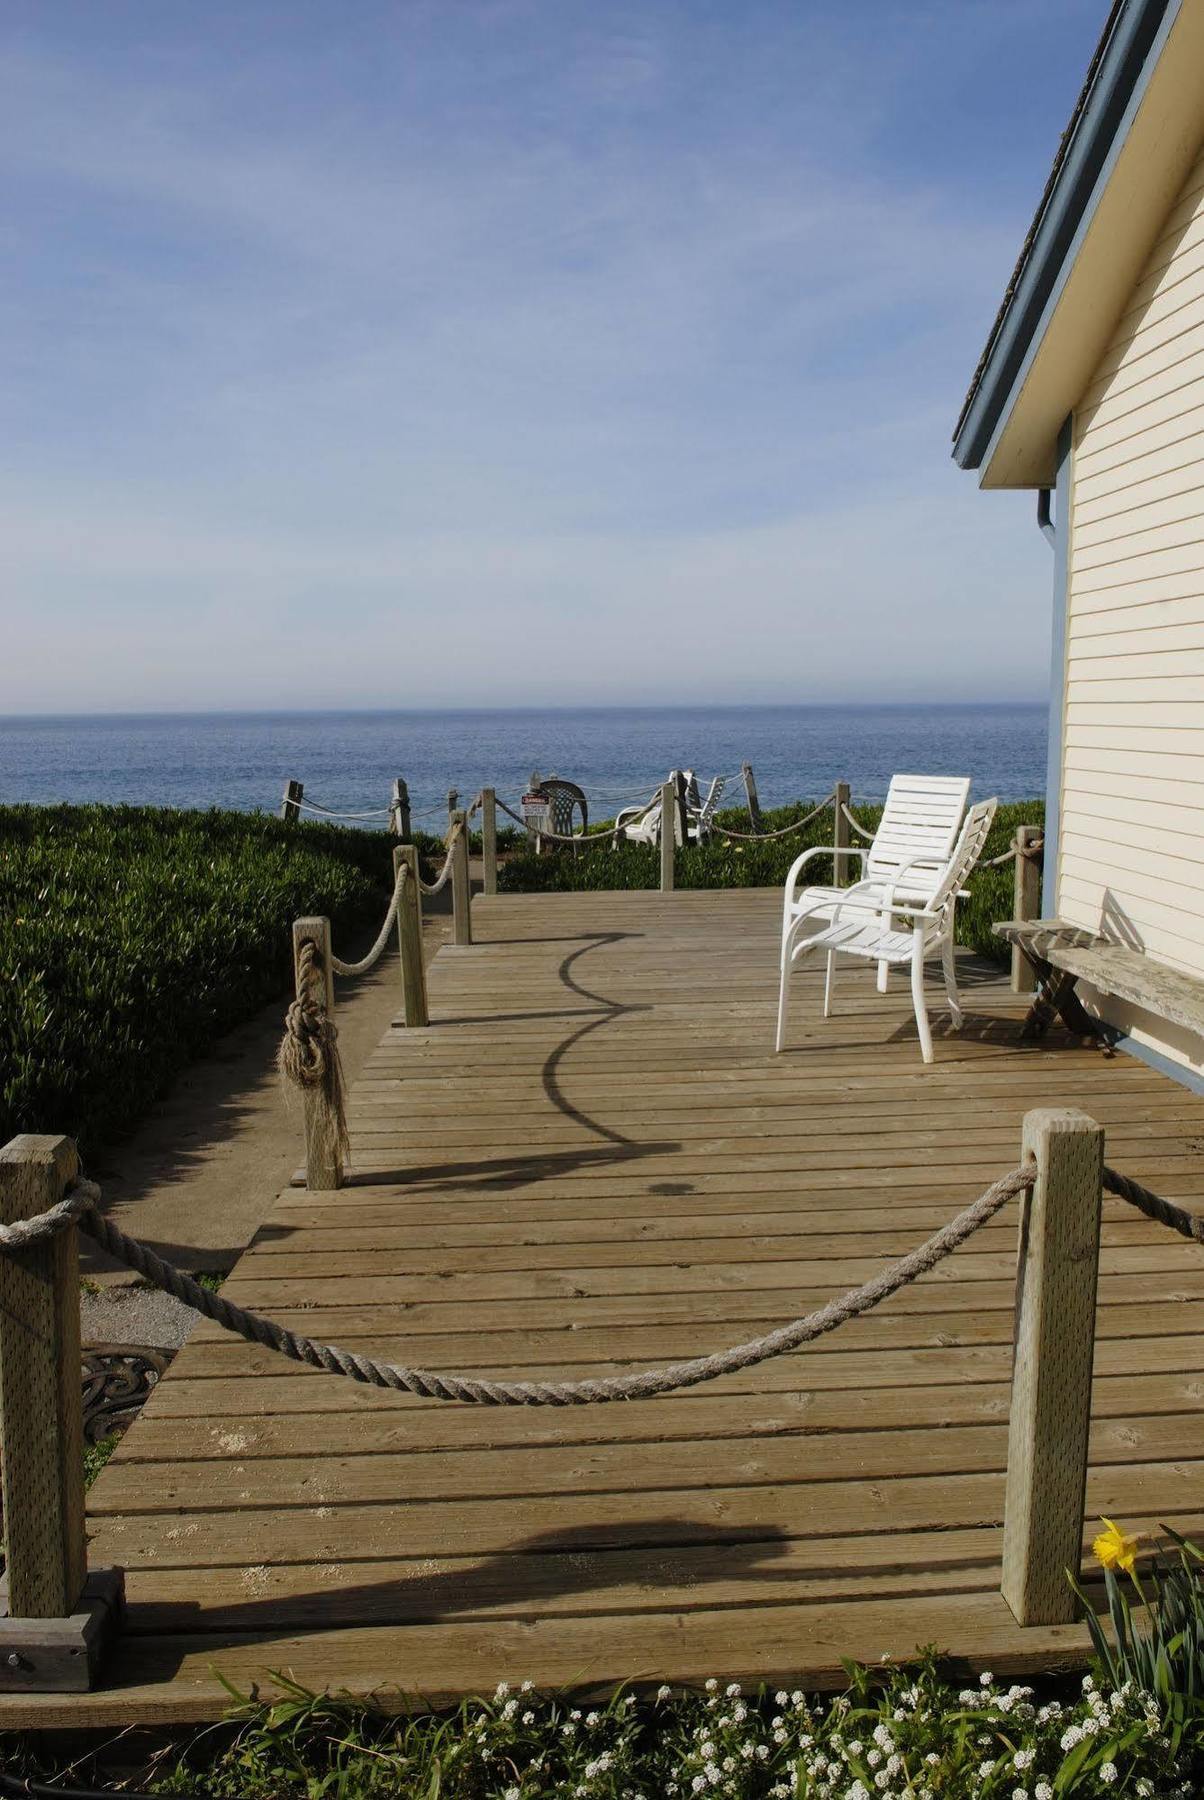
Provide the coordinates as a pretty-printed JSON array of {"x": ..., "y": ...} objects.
[{"x": 509, "y": 1171}]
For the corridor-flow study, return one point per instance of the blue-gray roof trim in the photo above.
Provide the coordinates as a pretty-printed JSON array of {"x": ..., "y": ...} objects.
[{"x": 1088, "y": 148}]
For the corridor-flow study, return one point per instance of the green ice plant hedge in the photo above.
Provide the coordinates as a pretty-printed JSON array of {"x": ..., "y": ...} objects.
[
  {"x": 723, "y": 862},
  {"x": 132, "y": 937}
]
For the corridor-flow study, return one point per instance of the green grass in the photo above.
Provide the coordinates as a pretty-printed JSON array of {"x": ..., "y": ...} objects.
[
  {"x": 722, "y": 863},
  {"x": 132, "y": 937}
]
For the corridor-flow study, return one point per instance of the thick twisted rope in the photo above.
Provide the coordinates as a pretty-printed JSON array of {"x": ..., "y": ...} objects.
[
  {"x": 483, "y": 1391},
  {"x": 588, "y": 840},
  {"x": 440, "y": 881},
  {"x": 1163, "y": 1212},
  {"x": 856, "y": 823},
  {"x": 377, "y": 812},
  {"x": 309, "y": 1052},
  {"x": 374, "y": 955},
  {"x": 764, "y": 837}
]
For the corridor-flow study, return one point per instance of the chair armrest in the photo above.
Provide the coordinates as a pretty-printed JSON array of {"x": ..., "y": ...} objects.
[{"x": 888, "y": 887}]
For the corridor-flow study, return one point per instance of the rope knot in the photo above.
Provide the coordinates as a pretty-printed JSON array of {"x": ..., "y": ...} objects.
[{"x": 309, "y": 1050}]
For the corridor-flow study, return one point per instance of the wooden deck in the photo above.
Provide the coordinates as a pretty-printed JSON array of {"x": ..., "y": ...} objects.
[{"x": 591, "y": 1161}]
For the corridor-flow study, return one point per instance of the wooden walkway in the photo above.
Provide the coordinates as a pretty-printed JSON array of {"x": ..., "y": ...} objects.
[{"x": 592, "y": 1161}]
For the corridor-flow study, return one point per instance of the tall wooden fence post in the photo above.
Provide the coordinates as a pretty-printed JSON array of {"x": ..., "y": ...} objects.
[
  {"x": 461, "y": 892},
  {"x": 1051, "y": 1374},
  {"x": 323, "y": 1172},
  {"x": 750, "y": 789},
  {"x": 668, "y": 834},
  {"x": 1026, "y": 902},
  {"x": 489, "y": 838},
  {"x": 54, "y": 1618},
  {"x": 400, "y": 805},
  {"x": 290, "y": 806},
  {"x": 409, "y": 937},
  {"x": 840, "y": 836}
]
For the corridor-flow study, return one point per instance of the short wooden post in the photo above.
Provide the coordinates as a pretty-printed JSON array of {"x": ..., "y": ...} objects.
[
  {"x": 668, "y": 835},
  {"x": 1026, "y": 901},
  {"x": 290, "y": 806},
  {"x": 323, "y": 1172},
  {"x": 461, "y": 892},
  {"x": 1051, "y": 1374},
  {"x": 55, "y": 1618},
  {"x": 400, "y": 804},
  {"x": 750, "y": 788},
  {"x": 409, "y": 937},
  {"x": 453, "y": 800},
  {"x": 40, "y": 1403},
  {"x": 489, "y": 838},
  {"x": 840, "y": 836}
]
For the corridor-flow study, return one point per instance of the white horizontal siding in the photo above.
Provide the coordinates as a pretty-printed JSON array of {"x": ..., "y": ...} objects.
[{"x": 1131, "y": 838}]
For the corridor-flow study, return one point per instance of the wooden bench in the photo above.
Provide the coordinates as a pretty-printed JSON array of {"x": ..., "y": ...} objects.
[{"x": 1062, "y": 955}]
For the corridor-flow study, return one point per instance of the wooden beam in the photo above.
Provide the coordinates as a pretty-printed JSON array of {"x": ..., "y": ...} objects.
[
  {"x": 668, "y": 844},
  {"x": 323, "y": 1171},
  {"x": 290, "y": 806},
  {"x": 489, "y": 838},
  {"x": 461, "y": 892},
  {"x": 409, "y": 938}
]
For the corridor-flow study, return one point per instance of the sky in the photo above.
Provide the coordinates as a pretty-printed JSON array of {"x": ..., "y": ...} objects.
[{"x": 466, "y": 352}]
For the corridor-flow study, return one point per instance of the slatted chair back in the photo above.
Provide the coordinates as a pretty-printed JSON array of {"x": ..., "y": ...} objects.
[
  {"x": 705, "y": 816},
  {"x": 567, "y": 805},
  {"x": 922, "y": 817},
  {"x": 970, "y": 845}
]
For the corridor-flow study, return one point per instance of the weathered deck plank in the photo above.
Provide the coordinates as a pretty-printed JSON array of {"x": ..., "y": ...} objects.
[{"x": 592, "y": 1161}]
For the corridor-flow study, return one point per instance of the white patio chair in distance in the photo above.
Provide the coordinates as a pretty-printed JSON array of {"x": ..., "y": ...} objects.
[
  {"x": 913, "y": 842},
  {"x": 860, "y": 924}
]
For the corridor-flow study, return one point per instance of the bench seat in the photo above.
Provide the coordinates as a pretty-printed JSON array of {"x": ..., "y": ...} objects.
[{"x": 1114, "y": 969}]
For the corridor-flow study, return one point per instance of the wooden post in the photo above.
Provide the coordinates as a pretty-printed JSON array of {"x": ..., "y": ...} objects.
[
  {"x": 1026, "y": 903},
  {"x": 461, "y": 893},
  {"x": 401, "y": 810},
  {"x": 750, "y": 788},
  {"x": 55, "y": 1618},
  {"x": 40, "y": 1399},
  {"x": 290, "y": 806},
  {"x": 453, "y": 800},
  {"x": 840, "y": 837},
  {"x": 680, "y": 814},
  {"x": 489, "y": 838},
  {"x": 668, "y": 844},
  {"x": 322, "y": 1171},
  {"x": 409, "y": 937},
  {"x": 1051, "y": 1373}
]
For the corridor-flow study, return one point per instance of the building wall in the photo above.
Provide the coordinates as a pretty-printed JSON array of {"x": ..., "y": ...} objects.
[{"x": 1131, "y": 836}]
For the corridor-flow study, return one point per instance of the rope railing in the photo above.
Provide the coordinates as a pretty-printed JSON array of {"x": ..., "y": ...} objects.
[
  {"x": 858, "y": 827},
  {"x": 764, "y": 837},
  {"x": 444, "y": 875},
  {"x": 374, "y": 955},
  {"x": 328, "y": 812},
  {"x": 82, "y": 1205},
  {"x": 1163, "y": 1212},
  {"x": 588, "y": 840}
]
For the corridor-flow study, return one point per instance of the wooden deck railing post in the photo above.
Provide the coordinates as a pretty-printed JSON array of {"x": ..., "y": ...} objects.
[
  {"x": 1026, "y": 903},
  {"x": 290, "y": 806},
  {"x": 668, "y": 834},
  {"x": 400, "y": 803},
  {"x": 489, "y": 838},
  {"x": 840, "y": 836},
  {"x": 453, "y": 800},
  {"x": 54, "y": 1619},
  {"x": 750, "y": 789},
  {"x": 1051, "y": 1374},
  {"x": 461, "y": 892},
  {"x": 323, "y": 1172},
  {"x": 409, "y": 937}
]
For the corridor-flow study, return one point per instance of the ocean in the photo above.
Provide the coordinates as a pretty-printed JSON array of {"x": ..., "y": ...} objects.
[{"x": 348, "y": 760}]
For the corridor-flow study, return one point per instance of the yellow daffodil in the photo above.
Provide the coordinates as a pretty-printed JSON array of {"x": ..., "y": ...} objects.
[{"x": 1114, "y": 1550}]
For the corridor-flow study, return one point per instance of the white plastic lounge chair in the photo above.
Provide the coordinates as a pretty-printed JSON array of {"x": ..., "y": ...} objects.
[
  {"x": 913, "y": 842},
  {"x": 700, "y": 818},
  {"x": 861, "y": 923}
]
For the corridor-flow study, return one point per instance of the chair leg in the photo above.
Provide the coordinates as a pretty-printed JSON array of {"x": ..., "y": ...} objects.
[
  {"x": 949, "y": 966},
  {"x": 829, "y": 979},
  {"x": 783, "y": 996},
  {"x": 888, "y": 924},
  {"x": 917, "y": 996}
]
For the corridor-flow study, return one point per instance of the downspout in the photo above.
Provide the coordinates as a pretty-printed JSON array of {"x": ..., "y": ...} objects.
[
  {"x": 1045, "y": 514},
  {"x": 1054, "y": 520}
]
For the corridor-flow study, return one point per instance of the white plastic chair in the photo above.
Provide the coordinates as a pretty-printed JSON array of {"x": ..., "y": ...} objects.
[
  {"x": 913, "y": 842},
  {"x": 860, "y": 923},
  {"x": 640, "y": 824}
]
